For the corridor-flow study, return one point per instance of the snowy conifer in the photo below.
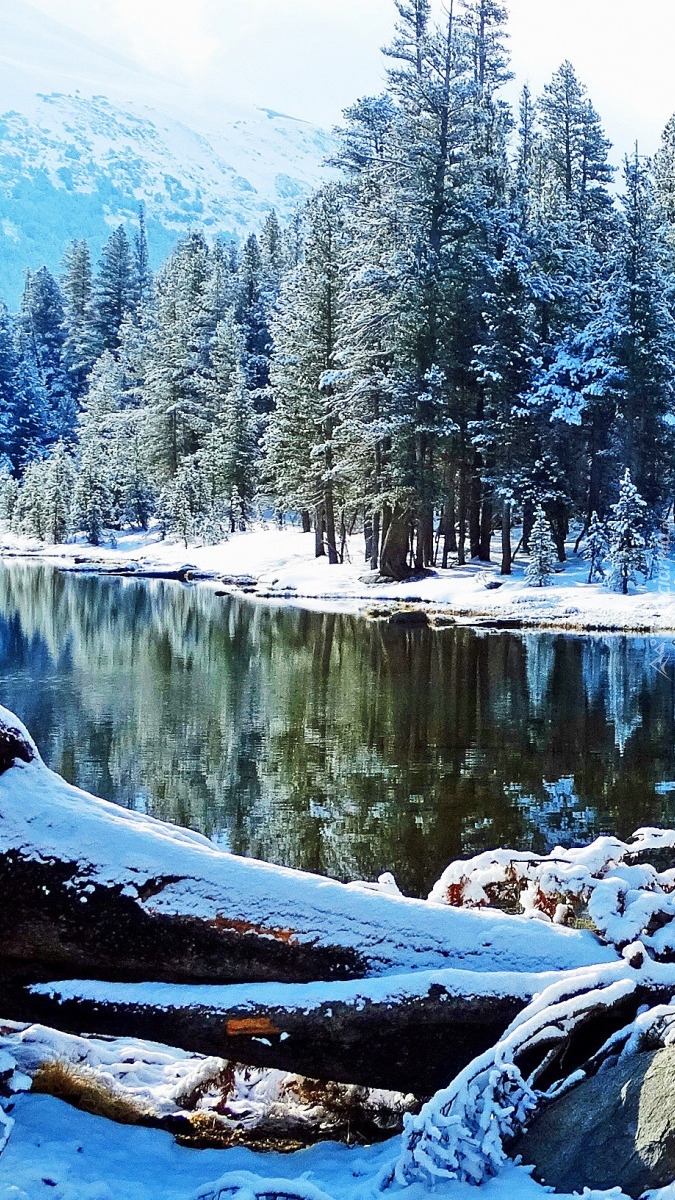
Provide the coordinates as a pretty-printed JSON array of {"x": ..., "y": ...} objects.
[
  {"x": 543, "y": 555},
  {"x": 595, "y": 548},
  {"x": 627, "y": 541},
  {"x": 58, "y": 485}
]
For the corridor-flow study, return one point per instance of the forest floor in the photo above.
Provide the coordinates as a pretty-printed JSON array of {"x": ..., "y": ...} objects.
[{"x": 279, "y": 564}]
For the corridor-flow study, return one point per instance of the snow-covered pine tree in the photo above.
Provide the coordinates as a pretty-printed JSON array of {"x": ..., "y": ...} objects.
[
  {"x": 595, "y": 547},
  {"x": 9, "y": 494},
  {"x": 506, "y": 363},
  {"x": 627, "y": 528},
  {"x": 577, "y": 148},
  {"x": 80, "y": 349},
  {"x": 183, "y": 501},
  {"x": 57, "y": 498},
  {"x": 31, "y": 425},
  {"x": 300, "y": 440},
  {"x": 113, "y": 290},
  {"x": 42, "y": 324},
  {"x": 28, "y": 514},
  {"x": 142, "y": 274},
  {"x": 228, "y": 454},
  {"x": 8, "y": 390},
  {"x": 176, "y": 360},
  {"x": 543, "y": 556},
  {"x": 92, "y": 499},
  {"x": 664, "y": 180}
]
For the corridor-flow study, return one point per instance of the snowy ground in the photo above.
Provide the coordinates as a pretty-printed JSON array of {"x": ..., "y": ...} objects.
[
  {"x": 282, "y": 565},
  {"x": 57, "y": 1152}
]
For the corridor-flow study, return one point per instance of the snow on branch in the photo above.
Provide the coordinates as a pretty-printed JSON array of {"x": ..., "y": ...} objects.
[{"x": 466, "y": 1130}]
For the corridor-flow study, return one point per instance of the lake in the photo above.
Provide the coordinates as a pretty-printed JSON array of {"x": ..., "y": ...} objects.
[{"x": 329, "y": 743}]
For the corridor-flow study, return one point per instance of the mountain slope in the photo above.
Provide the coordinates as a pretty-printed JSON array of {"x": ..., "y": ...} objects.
[{"x": 85, "y": 137}]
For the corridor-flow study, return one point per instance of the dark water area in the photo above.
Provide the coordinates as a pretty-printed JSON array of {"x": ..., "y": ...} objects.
[{"x": 328, "y": 743}]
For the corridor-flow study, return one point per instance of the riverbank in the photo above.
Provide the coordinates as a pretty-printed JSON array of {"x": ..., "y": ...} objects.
[{"x": 269, "y": 563}]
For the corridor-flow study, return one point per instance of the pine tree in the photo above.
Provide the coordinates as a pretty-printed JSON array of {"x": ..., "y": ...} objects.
[
  {"x": 176, "y": 366},
  {"x": 28, "y": 517},
  {"x": 577, "y": 147},
  {"x": 32, "y": 425},
  {"x": 8, "y": 390},
  {"x": 664, "y": 179},
  {"x": 58, "y": 487},
  {"x": 142, "y": 275},
  {"x": 92, "y": 499},
  {"x": 595, "y": 548},
  {"x": 80, "y": 342},
  {"x": 42, "y": 328},
  {"x": 543, "y": 554},
  {"x": 627, "y": 537},
  {"x": 113, "y": 290},
  {"x": 302, "y": 429}
]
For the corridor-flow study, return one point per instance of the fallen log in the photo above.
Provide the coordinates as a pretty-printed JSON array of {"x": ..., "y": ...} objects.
[
  {"x": 404, "y": 1033},
  {"x": 103, "y": 892}
]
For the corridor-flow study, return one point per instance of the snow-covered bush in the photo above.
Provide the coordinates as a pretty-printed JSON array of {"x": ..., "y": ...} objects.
[
  {"x": 608, "y": 885},
  {"x": 543, "y": 554}
]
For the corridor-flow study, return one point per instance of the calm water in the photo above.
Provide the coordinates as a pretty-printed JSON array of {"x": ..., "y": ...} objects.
[{"x": 327, "y": 743}]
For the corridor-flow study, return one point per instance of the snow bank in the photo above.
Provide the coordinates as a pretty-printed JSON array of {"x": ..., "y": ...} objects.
[{"x": 282, "y": 565}]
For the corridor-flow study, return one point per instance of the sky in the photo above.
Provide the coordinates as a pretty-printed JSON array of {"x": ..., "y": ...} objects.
[{"x": 310, "y": 58}]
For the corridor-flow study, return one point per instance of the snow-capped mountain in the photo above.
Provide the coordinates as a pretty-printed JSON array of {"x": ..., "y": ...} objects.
[{"x": 85, "y": 137}]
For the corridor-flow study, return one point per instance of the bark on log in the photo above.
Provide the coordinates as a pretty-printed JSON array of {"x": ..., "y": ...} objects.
[
  {"x": 99, "y": 891},
  {"x": 410, "y": 1033}
]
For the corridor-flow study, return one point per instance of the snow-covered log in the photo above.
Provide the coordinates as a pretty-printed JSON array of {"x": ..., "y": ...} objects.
[
  {"x": 100, "y": 891},
  {"x": 409, "y": 1032}
]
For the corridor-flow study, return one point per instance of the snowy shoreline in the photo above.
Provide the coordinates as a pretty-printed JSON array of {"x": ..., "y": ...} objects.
[{"x": 276, "y": 565}]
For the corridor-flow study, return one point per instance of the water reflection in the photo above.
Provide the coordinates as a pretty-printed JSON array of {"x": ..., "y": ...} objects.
[{"x": 330, "y": 744}]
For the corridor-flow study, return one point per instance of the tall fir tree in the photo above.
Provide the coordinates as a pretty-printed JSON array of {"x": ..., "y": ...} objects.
[{"x": 114, "y": 289}]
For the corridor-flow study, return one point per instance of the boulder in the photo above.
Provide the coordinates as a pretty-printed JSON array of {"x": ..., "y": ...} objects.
[
  {"x": 616, "y": 1129},
  {"x": 409, "y": 618}
]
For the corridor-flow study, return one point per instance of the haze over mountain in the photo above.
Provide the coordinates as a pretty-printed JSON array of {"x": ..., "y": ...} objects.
[{"x": 86, "y": 136}]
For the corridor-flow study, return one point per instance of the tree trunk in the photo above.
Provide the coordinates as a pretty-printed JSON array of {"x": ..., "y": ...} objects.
[
  {"x": 395, "y": 544},
  {"x": 329, "y": 509},
  {"x": 319, "y": 546},
  {"x": 375, "y": 553},
  {"x": 507, "y": 560},
  {"x": 528, "y": 524},
  {"x": 306, "y": 521},
  {"x": 461, "y": 520},
  {"x": 474, "y": 516},
  {"x": 368, "y": 538},
  {"x": 486, "y": 529}
]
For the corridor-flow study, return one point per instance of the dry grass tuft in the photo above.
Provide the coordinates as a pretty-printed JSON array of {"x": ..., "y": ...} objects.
[{"x": 79, "y": 1086}]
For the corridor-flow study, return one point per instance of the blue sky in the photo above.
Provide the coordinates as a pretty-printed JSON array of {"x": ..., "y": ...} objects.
[{"x": 312, "y": 57}]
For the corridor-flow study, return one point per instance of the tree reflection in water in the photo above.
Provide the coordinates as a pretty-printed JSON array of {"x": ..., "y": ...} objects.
[{"x": 328, "y": 743}]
